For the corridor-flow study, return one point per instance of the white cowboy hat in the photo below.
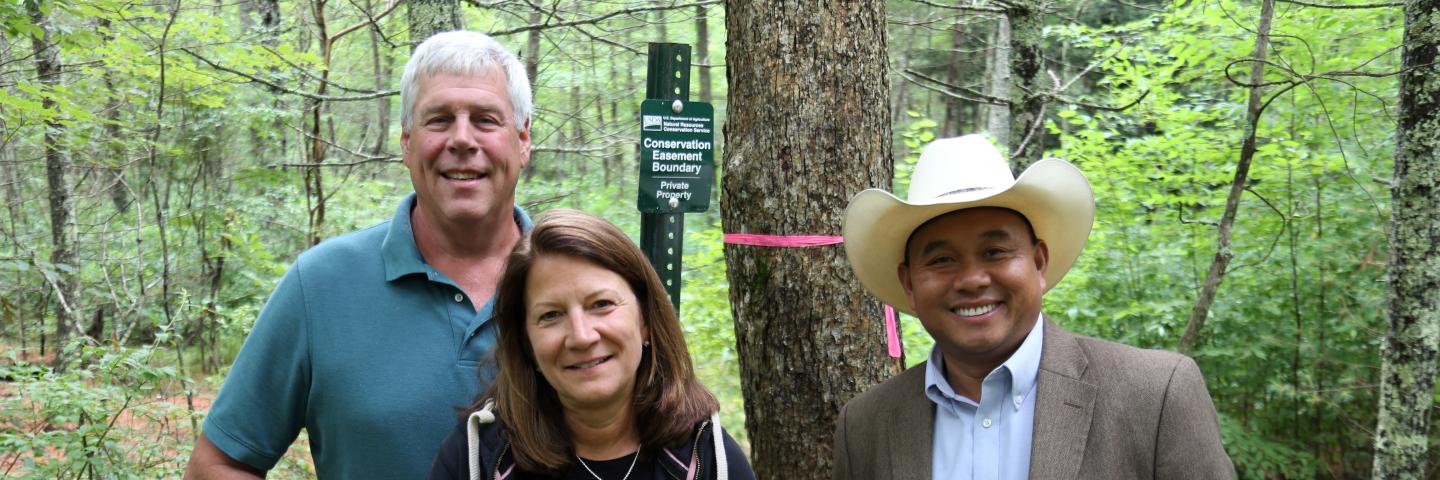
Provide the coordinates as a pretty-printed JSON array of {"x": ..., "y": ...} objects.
[{"x": 959, "y": 173}]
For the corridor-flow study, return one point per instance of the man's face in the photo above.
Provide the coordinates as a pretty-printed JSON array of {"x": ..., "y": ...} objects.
[
  {"x": 975, "y": 278},
  {"x": 463, "y": 150}
]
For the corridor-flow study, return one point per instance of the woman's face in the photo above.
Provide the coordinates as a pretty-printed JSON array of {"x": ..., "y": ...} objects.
[{"x": 585, "y": 331}]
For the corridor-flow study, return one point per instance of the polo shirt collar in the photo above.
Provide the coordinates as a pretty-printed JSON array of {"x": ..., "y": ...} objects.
[
  {"x": 399, "y": 251},
  {"x": 1023, "y": 367}
]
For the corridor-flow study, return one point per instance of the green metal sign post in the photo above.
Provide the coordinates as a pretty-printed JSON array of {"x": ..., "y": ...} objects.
[{"x": 677, "y": 161}]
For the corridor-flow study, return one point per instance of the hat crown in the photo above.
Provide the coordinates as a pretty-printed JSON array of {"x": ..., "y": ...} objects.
[{"x": 957, "y": 168}]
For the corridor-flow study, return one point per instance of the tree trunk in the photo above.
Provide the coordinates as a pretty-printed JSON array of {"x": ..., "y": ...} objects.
[
  {"x": 532, "y": 49},
  {"x": 997, "y": 117},
  {"x": 813, "y": 131},
  {"x": 1407, "y": 375},
  {"x": 10, "y": 182},
  {"x": 531, "y": 58},
  {"x": 315, "y": 110},
  {"x": 1027, "y": 101},
  {"x": 955, "y": 107},
  {"x": 1254, "y": 107},
  {"x": 702, "y": 50},
  {"x": 429, "y": 17},
  {"x": 381, "y": 65},
  {"x": 268, "y": 12},
  {"x": 62, "y": 201}
]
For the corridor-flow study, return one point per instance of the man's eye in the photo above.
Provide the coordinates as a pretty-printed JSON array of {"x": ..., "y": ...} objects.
[{"x": 940, "y": 260}]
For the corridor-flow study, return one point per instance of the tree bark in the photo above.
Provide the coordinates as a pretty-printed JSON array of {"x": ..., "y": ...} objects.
[
  {"x": 10, "y": 183},
  {"x": 61, "y": 199},
  {"x": 997, "y": 117},
  {"x": 813, "y": 131},
  {"x": 1254, "y": 106},
  {"x": 1027, "y": 102},
  {"x": 702, "y": 50},
  {"x": 1408, "y": 354},
  {"x": 954, "y": 124},
  {"x": 429, "y": 17},
  {"x": 381, "y": 63}
]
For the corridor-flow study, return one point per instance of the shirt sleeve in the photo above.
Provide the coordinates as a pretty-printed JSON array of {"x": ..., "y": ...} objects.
[{"x": 263, "y": 404}]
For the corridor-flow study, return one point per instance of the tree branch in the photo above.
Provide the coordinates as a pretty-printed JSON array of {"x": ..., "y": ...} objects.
[
  {"x": 283, "y": 89},
  {"x": 1343, "y": 6},
  {"x": 977, "y": 96},
  {"x": 552, "y": 13},
  {"x": 963, "y": 8}
]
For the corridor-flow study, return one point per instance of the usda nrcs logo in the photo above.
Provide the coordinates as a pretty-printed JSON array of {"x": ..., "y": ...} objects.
[{"x": 651, "y": 123}]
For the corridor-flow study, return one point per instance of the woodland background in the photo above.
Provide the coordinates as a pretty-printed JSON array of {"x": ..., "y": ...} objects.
[{"x": 163, "y": 162}]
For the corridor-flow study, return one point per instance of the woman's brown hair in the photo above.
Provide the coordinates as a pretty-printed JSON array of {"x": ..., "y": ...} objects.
[{"x": 668, "y": 399}]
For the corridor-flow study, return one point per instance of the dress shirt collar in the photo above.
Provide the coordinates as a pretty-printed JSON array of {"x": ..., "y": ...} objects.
[
  {"x": 399, "y": 251},
  {"x": 1022, "y": 367}
]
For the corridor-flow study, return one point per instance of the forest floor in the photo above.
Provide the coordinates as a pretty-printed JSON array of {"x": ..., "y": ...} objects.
[{"x": 143, "y": 434}]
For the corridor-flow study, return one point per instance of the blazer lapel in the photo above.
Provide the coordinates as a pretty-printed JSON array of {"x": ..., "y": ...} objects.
[
  {"x": 1064, "y": 404},
  {"x": 912, "y": 423}
]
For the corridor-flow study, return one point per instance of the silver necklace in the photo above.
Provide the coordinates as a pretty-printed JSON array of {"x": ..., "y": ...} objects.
[{"x": 627, "y": 471}]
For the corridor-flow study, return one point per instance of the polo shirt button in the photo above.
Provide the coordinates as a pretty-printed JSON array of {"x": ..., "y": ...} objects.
[
  {"x": 459, "y": 298},
  {"x": 986, "y": 423},
  {"x": 1019, "y": 398}
]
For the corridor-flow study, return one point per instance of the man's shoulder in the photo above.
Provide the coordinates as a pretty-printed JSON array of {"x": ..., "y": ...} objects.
[
  {"x": 1128, "y": 364},
  {"x": 344, "y": 250},
  {"x": 909, "y": 383}
]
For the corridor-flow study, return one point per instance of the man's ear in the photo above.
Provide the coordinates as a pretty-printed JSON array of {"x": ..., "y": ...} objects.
[
  {"x": 405, "y": 147},
  {"x": 1042, "y": 261},
  {"x": 903, "y": 271},
  {"x": 525, "y": 145}
]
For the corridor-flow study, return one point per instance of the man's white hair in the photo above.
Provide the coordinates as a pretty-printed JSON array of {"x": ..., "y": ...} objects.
[{"x": 461, "y": 52}]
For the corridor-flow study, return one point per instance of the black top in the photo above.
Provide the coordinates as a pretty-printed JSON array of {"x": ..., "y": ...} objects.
[
  {"x": 614, "y": 469},
  {"x": 666, "y": 463}
]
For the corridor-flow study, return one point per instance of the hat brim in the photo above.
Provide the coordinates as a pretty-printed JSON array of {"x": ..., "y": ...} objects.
[{"x": 1052, "y": 194}]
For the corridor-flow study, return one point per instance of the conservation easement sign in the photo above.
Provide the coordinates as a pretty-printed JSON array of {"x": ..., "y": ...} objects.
[{"x": 677, "y": 156}]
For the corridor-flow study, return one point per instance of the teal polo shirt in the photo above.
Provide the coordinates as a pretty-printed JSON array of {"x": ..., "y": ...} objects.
[{"x": 366, "y": 347}]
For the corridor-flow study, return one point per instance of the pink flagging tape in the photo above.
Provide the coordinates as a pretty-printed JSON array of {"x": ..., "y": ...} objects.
[
  {"x": 758, "y": 240},
  {"x": 892, "y": 335}
]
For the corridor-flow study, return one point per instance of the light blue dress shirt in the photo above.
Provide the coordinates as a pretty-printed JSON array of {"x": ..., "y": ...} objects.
[{"x": 989, "y": 440}]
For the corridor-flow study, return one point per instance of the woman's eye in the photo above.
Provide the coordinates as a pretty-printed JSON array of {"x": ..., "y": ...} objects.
[
  {"x": 548, "y": 316},
  {"x": 602, "y": 304}
]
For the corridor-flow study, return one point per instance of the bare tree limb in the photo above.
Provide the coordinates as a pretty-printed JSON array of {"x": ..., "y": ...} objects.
[
  {"x": 951, "y": 89},
  {"x": 283, "y": 89},
  {"x": 1343, "y": 6},
  {"x": 552, "y": 13},
  {"x": 963, "y": 8}
]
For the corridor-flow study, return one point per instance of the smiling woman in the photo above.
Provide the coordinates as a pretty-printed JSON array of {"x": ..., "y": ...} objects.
[{"x": 595, "y": 380}]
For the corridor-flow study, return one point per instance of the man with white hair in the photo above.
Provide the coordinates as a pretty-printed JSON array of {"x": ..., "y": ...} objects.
[
  {"x": 1006, "y": 393},
  {"x": 372, "y": 336}
]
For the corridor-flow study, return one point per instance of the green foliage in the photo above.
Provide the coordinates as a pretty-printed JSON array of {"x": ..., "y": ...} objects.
[
  {"x": 189, "y": 204},
  {"x": 118, "y": 416},
  {"x": 919, "y": 132}
]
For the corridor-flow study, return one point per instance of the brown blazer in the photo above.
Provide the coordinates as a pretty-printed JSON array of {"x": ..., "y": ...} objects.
[{"x": 1103, "y": 411}]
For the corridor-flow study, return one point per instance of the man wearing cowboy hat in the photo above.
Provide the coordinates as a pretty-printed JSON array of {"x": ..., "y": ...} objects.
[{"x": 1006, "y": 393}]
